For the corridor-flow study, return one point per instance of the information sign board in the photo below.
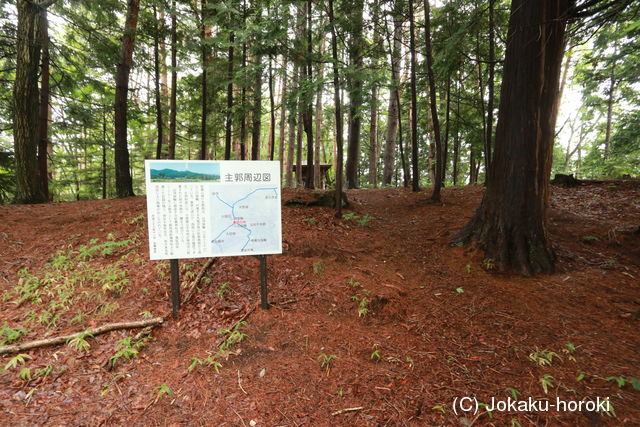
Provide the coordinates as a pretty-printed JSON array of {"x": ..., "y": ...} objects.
[{"x": 203, "y": 208}]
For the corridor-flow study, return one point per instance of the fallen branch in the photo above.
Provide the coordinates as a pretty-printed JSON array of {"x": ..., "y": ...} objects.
[
  {"x": 8, "y": 349},
  {"x": 347, "y": 410},
  {"x": 193, "y": 286}
]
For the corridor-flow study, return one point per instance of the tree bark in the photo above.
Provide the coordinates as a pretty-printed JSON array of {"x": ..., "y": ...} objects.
[
  {"x": 272, "y": 113},
  {"x": 308, "y": 114},
  {"x": 415, "y": 175},
  {"x": 283, "y": 116},
  {"x": 292, "y": 132},
  {"x": 124, "y": 183},
  {"x": 490, "y": 86},
  {"x": 156, "y": 63},
  {"x": 338, "y": 112},
  {"x": 204, "y": 52},
  {"x": 356, "y": 48},
  {"x": 256, "y": 122},
  {"x": 43, "y": 129},
  {"x": 392, "y": 114},
  {"x": 173, "y": 107},
  {"x": 317, "y": 180},
  {"x": 229, "y": 118},
  {"x": 510, "y": 224},
  {"x": 437, "y": 183}
]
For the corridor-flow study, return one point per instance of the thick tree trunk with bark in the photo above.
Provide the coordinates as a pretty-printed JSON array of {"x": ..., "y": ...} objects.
[
  {"x": 43, "y": 128},
  {"x": 392, "y": 115},
  {"x": 338, "y": 111},
  {"x": 25, "y": 101},
  {"x": 256, "y": 122},
  {"x": 158, "y": 90},
  {"x": 415, "y": 181},
  {"x": 283, "y": 116},
  {"x": 204, "y": 52},
  {"x": 124, "y": 183},
  {"x": 356, "y": 49},
  {"x": 437, "y": 183},
  {"x": 308, "y": 114},
  {"x": 510, "y": 224}
]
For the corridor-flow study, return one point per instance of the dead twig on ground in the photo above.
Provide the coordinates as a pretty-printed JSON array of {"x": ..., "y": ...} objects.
[
  {"x": 347, "y": 410},
  {"x": 8, "y": 349}
]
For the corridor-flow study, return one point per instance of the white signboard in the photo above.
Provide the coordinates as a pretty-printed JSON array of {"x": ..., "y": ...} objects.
[{"x": 202, "y": 208}]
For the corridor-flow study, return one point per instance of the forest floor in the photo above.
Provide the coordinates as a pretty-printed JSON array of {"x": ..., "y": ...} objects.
[{"x": 373, "y": 322}]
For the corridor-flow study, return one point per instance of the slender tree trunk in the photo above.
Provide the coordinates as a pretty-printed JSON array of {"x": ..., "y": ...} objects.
[
  {"x": 292, "y": 132},
  {"x": 272, "y": 113},
  {"x": 104, "y": 155},
  {"x": 415, "y": 182},
  {"x": 437, "y": 184},
  {"x": 283, "y": 115},
  {"x": 43, "y": 128},
  {"x": 173, "y": 107},
  {"x": 308, "y": 114},
  {"x": 156, "y": 63},
  {"x": 243, "y": 103},
  {"x": 124, "y": 183},
  {"x": 229, "y": 112},
  {"x": 338, "y": 111},
  {"x": 356, "y": 48},
  {"x": 610, "y": 101},
  {"x": 204, "y": 52},
  {"x": 393, "y": 117},
  {"x": 317, "y": 180},
  {"x": 447, "y": 127},
  {"x": 257, "y": 111},
  {"x": 510, "y": 224},
  {"x": 456, "y": 142}
]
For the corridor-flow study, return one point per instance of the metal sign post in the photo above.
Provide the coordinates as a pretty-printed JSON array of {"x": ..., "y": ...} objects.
[
  {"x": 264, "y": 303},
  {"x": 175, "y": 287}
]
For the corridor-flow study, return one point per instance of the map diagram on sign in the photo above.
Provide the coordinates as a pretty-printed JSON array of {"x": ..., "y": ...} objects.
[{"x": 246, "y": 219}]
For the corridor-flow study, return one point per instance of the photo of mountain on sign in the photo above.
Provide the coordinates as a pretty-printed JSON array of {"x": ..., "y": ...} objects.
[{"x": 181, "y": 172}]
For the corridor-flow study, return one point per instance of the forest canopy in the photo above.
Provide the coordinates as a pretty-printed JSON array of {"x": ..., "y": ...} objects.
[{"x": 252, "y": 79}]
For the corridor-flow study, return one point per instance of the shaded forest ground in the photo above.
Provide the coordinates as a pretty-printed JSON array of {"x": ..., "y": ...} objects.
[{"x": 435, "y": 324}]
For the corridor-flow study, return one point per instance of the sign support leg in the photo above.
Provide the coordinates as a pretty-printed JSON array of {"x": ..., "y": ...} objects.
[
  {"x": 264, "y": 303},
  {"x": 175, "y": 287}
]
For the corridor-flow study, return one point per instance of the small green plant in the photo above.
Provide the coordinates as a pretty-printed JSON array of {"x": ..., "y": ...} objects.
[
  {"x": 146, "y": 314},
  {"x": 310, "y": 221},
  {"x": 513, "y": 392},
  {"x": 126, "y": 350},
  {"x": 376, "y": 353},
  {"x": 108, "y": 307},
  {"x": 365, "y": 220},
  {"x": 134, "y": 220},
  {"x": 489, "y": 264},
  {"x": 45, "y": 371},
  {"x": 546, "y": 381},
  {"x": 468, "y": 268},
  {"x": 163, "y": 390},
  {"x": 350, "y": 216},
  {"x": 438, "y": 408},
  {"x": 363, "y": 307},
  {"x": 9, "y": 335},
  {"x": 79, "y": 343},
  {"x": 486, "y": 407},
  {"x": 515, "y": 423},
  {"x": 208, "y": 361},
  {"x": 569, "y": 351},
  {"x": 326, "y": 360},
  {"x": 78, "y": 318},
  {"x": 25, "y": 374},
  {"x": 233, "y": 336},
  {"x": 107, "y": 386},
  {"x": 460, "y": 290},
  {"x": 353, "y": 283},
  {"x": 580, "y": 377},
  {"x": 17, "y": 360},
  {"x": 223, "y": 289},
  {"x": 543, "y": 357},
  {"x": 589, "y": 239},
  {"x": 318, "y": 267}
]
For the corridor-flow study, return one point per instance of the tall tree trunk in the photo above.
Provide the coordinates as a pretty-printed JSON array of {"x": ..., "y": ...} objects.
[
  {"x": 356, "y": 48},
  {"x": 292, "y": 131},
  {"x": 283, "y": 116},
  {"x": 43, "y": 127},
  {"x": 447, "y": 127},
  {"x": 124, "y": 183},
  {"x": 437, "y": 184},
  {"x": 392, "y": 115},
  {"x": 173, "y": 107},
  {"x": 308, "y": 114},
  {"x": 317, "y": 180},
  {"x": 456, "y": 142},
  {"x": 510, "y": 224},
  {"x": 104, "y": 155},
  {"x": 204, "y": 52},
  {"x": 156, "y": 63},
  {"x": 256, "y": 124},
  {"x": 415, "y": 181},
  {"x": 229, "y": 112},
  {"x": 272, "y": 113},
  {"x": 338, "y": 111},
  {"x": 610, "y": 100},
  {"x": 490, "y": 86}
]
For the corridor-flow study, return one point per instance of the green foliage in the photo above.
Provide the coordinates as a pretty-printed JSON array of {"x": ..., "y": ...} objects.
[
  {"x": 209, "y": 361},
  {"x": 223, "y": 289},
  {"x": 17, "y": 360},
  {"x": 79, "y": 343},
  {"x": 163, "y": 390},
  {"x": 9, "y": 335},
  {"x": 318, "y": 267},
  {"x": 546, "y": 381},
  {"x": 127, "y": 350},
  {"x": 310, "y": 221},
  {"x": 232, "y": 336},
  {"x": 543, "y": 357},
  {"x": 326, "y": 360}
]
